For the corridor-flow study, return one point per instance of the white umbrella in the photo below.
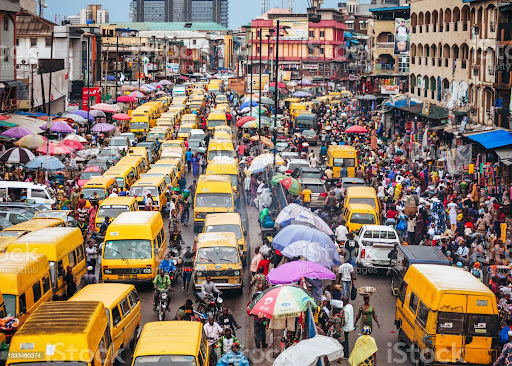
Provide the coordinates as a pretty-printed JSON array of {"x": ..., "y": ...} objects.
[
  {"x": 308, "y": 351},
  {"x": 297, "y": 214},
  {"x": 75, "y": 137},
  {"x": 312, "y": 251},
  {"x": 261, "y": 162}
]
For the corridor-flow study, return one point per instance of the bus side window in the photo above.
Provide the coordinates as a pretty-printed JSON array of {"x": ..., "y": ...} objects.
[
  {"x": 413, "y": 303},
  {"x": 72, "y": 258},
  {"x": 22, "y": 304},
  {"x": 46, "y": 284},
  {"x": 80, "y": 253}
]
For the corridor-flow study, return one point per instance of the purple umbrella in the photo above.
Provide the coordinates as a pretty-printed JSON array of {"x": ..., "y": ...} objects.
[
  {"x": 17, "y": 132},
  {"x": 102, "y": 127},
  {"x": 59, "y": 126},
  {"x": 293, "y": 271},
  {"x": 83, "y": 114}
]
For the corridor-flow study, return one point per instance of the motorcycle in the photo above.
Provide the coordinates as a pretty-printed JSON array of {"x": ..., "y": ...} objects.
[
  {"x": 209, "y": 304},
  {"x": 162, "y": 304}
]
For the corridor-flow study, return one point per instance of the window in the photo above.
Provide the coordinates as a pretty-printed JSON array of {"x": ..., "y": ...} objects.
[
  {"x": 22, "y": 305},
  {"x": 17, "y": 41},
  {"x": 350, "y": 25},
  {"x": 363, "y": 25},
  {"x": 311, "y": 34},
  {"x": 80, "y": 253},
  {"x": 390, "y": 38},
  {"x": 116, "y": 315},
  {"x": 6, "y": 23},
  {"x": 48, "y": 42},
  {"x": 61, "y": 269},
  {"x": 257, "y": 49},
  {"x": 422, "y": 313},
  {"x": 413, "y": 303},
  {"x": 72, "y": 258},
  {"x": 37, "y": 291},
  {"x": 159, "y": 240},
  {"x": 33, "y": 42},
  {"x": 481, "y": 325},
  {"x": 108, "y": 340},
  {"x": 46, "y": 284},
  {"x": 403, "y": 290},
  {"x": 450, "y": 323},
  {"x": 134, "y": 298},
  {"x": 125, "y": 307},
  {"x": 38, "y": 193},
  {"x": 16, "y": 219},
  {"x": 322, "y": 34}
]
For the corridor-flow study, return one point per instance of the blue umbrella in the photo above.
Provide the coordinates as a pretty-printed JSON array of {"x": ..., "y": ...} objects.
[
  {"x": 48, "y": 163},
  {"x": 293, "y": 233},
  {"x": 111, "y": 78},
  {"x": 301, "y": 94},
  {"x": 83, "y": 114},
  {"x": 248, "y": 104}
]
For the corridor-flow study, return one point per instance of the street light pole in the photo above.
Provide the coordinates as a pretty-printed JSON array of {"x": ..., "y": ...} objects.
[
  {"x": 276, "y": 94},
  {"x": 259, "y": 104},
  {"x": 325, "y": 85},
  {"x": 117, "y": 61},
  {"x": 252, "y": 41},
  {"x": 165, "y": 58},
  {"x": 153, "y": 38}
]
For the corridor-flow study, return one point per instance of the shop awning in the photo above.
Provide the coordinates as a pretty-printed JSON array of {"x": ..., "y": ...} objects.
[
  {"x": 7, "y": 124},
  {"x": 492, "y": 139}
]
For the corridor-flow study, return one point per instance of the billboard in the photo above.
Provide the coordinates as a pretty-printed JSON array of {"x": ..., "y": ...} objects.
[
  {"x": 172, "y": 67},
  {"x": 402, "y": 36},
  {"x": 296, "y": 29},
  {"x": 237, "y": 84},
  {"x": 389, "y": 89},
  {"x": 256, "y": 82}
]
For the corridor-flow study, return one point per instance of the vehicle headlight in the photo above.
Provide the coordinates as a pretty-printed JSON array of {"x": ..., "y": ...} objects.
[
  {"x": 147, "y": 270},
  {"x": 107, "y": 271},
  {"x": 199, "y": 273},
  {"x": 237, "y": 273}
]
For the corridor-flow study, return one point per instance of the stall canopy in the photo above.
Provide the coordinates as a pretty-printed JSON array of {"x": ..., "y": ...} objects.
[
  {"x": 492, "y": 139},
  {"x": 505, "y": 155}
]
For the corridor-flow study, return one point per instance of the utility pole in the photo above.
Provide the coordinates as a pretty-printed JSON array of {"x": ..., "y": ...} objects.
[
  {"x": 252, "y": 41},
  {"x": 276, "y": 95},
  {"x": 117, "y": 62},
  {"x": 259, "y": 104}
]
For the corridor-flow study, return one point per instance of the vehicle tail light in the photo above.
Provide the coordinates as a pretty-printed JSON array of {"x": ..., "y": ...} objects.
[
  {"x": 323, "y": 194},
  {"x": 289, "y": 171},
  {"x": 363, "y": 253}
]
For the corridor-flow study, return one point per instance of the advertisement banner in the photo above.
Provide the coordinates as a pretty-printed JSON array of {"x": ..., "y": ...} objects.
[
  {"x": 256, "y": 82},
  {"x": 173, "y": 67},
  {"x": 402, "y": 36},
  {"x": 389, "y": 89},
  {"x": 237, "y": 84},
  {"x": 295, "y": 29}
]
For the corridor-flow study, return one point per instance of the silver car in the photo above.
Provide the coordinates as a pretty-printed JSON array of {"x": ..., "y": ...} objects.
[{"x": 318, "y": 191}]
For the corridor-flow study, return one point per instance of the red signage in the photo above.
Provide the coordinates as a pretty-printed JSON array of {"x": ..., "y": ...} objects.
[{"x": 93, "y": 94}]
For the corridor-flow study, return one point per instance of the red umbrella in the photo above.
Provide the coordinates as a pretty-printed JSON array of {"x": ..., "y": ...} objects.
[
  {"x": 279, "y": 85},
  {"x": 73, "y": 144},
  {"x": 242, "y": 121},
  {"x": 121, "y": 117},
  {"x": 3, "y": 118},
  {"x": 356, "y": 129},
  {"x": 54, "y": 148},
  {"x": 126, "y": 99}
]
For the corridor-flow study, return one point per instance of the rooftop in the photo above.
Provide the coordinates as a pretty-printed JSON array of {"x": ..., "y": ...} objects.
[{"x": 174, "y": 26}]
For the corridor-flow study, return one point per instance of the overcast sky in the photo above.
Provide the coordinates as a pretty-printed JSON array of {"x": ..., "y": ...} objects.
[{"x": 240, "y": 11}]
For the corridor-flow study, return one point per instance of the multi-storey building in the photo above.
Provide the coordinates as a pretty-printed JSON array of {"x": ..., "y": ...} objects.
[
  {"x": 8, "y": 83},
  {"x": 453, "y": 52}
]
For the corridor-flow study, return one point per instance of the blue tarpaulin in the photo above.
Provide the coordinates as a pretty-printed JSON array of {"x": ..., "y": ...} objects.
[
  {"x": 401, "y": 103},
  {"x": 492, "y": 139}
]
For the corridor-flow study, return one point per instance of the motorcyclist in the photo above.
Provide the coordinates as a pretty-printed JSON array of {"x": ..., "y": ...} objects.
[
  {"x": 167, "y": 264},
  {"x": 162, "y": 283},
  {"x": 176, "y": 239},
  {"x": 208, "y": 288}
]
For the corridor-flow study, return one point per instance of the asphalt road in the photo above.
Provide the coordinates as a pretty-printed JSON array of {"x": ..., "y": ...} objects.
[{"x": 382, "y": 300}]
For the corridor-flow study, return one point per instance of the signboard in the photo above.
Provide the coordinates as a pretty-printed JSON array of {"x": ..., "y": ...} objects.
[
  {"x": 296, "y": 29},
  {"x": 425, "y": 110},
  {"x": 173, "y": 67},
  {"x": 256, "y": 82},
  {"x": 402, "y": 36},
  {"x": 310, "y": 66},
  {"x": 389, "y": 89},
  {"x": 237, "y": 84},
  {"x": 93, "y": 93},
  {"x": 47, "y": 65}
]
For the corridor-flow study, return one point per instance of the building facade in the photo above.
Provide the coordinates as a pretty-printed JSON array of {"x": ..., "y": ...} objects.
[
  {"x": 93, "y": 14},
  {"x": 389, "y": 67},
  {"x": 8, "y": 83},
  {"x": 180, "y": 11},
  {"x": 453, "y": 56},
  {"x": 306, "y": 49}
]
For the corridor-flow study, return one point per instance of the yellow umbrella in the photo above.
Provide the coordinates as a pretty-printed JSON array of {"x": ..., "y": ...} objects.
[{"x": 31, "y": 142}]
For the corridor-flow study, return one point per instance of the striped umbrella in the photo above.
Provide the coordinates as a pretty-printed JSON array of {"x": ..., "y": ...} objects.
[
  {"x": 17, "y": 155},
  {"x": 281, "y": 302}
]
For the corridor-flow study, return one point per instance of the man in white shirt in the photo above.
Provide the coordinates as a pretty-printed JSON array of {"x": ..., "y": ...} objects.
[
  {"x": 349, "y": 324},
  {"x": 114, "y": 193},
  {"x": 212, "y": 331},
  {"x": 347, "y": 277},
  {"x": 341, "y": 232}
]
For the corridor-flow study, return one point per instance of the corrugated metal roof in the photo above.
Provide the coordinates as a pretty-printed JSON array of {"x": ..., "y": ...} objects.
[{"x": 174, "y": 26}]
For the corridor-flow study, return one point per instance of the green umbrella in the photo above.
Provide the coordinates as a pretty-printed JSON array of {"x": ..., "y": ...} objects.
[
  {"x": 277, "y": 178},
  {"x": 292, "y": 185}
]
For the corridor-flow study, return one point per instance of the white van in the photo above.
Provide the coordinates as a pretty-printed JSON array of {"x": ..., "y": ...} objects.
[
  {"x": 375, "y": 242},
  {"x": 29, "y": 192}
]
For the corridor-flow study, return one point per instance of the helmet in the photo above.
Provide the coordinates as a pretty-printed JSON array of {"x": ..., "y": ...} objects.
[{"x": 459, "y": 264}]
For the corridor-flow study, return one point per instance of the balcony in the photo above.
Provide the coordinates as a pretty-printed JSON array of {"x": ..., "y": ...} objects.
[{"x": 385, "y": 45}]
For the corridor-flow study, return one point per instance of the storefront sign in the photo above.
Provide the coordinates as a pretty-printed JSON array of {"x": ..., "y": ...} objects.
[
  {"x": 425, "y": 110},
  {"x": 389, "y": 89},
  {"x": 310, "y": 66},
  {"x": 173, "y": 67},
  {"x": 93, "y": 94}
]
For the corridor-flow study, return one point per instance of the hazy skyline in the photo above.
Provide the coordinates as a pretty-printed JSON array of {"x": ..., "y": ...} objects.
[{"x": 240, "y": 11}]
